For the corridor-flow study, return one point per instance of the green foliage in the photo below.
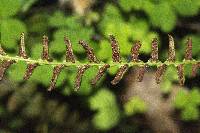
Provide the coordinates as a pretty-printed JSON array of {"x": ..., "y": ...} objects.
[
  {"x": 27, "y": 4},
  {"x": 169, "y": 76},
  {"x": 128, "y": 20},
  {"x": 186, "y": 7},
  {"x": 68, "y": 26},
  {"x": 108, "y": 114},
  {"x": 188, "y": 102},
  {"x": 135, "y": 29},
  {"x": 39, "y": 24},
  {"x": 11, "y": 29},
  {"x": 44, "y": 77},
  {"x": 163, "y": 14},
  {"x": 6, "y": 7},
  {"x": 86, "y": 86},
  {"x": 14, "y": 73},
  {"x": 135, "y": 105}
]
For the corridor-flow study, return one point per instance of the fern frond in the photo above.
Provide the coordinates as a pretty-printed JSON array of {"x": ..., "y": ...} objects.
[{"x": 32, "y": 64}]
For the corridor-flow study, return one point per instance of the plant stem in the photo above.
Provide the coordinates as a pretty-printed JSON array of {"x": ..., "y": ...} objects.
[{"x": 55, "y": 63}]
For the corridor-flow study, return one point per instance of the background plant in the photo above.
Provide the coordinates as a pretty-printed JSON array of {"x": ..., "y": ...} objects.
[{"x": 128, "y": 21}]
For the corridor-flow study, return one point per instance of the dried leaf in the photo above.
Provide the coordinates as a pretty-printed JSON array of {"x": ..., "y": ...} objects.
[
  {"x": 69, "y": 51},
  {"x": 56, "y": 71},
  {"x": 140, "y": 72},
  {"x": 89, "y": 52},
  {"x": 100, "y": 73},
  {"x": 154, "y": 47},
  {"x": 195, "y": 67},
  {"x": 171, "y": 54},
  {"x": 188, "y": 51},
  {"x": 122, "y": 70},
  {"x": 4, "y": 66},
  {"x": 115, "y": 49},
  {"x": 80, "y": 72},
  {"x": 29, "y": 70},
  {"x": 22, "y": 50},
  {"x": 135, "y": 51},
  {"x": 45, "y": 52},
  {"x": 160, "y": 72},
  {"x": 180, "y": 71}
]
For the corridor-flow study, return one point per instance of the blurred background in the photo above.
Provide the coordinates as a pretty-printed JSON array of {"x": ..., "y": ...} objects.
[{"x": 129, "y": 107}]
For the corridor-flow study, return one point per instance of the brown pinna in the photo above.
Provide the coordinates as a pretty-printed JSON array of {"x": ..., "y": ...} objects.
[
  {"x": 89, "y": 51},
  {"x": 45, "y": 52},
  {"x": 160, "y": 72},
  {"x": 140, "y": 72},
  {"x": 56, "y": 71},
  {"x": 29, "y": 70},
  {"x": 119, "y": 75},
  {"x": 79, "y": 75},
  {"x": 135, "y": 51},
  {"x": 115, "y": 49},
  {"x": 188, "y": 51},
  {"x": 100, "y": 73},
  {"x": 180, "y": 71},
  {"x": 22, "y": 49},
  {"x": 69, "y": 51},
  {"x": 154, "y": 50},
  {"x": 171, "y": 53},
  {"x": 4, "y": 66}
]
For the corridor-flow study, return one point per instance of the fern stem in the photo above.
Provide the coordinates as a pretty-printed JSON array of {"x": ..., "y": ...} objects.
[{"x": 54, "y": 63}]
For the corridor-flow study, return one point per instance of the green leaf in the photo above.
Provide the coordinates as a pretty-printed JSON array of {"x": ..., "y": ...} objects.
[
  {"x": 171, "y": 73},
  {"x": 135, "y": 29},
  {"x": 181, "y": 99},
  {"x": 105, "y": 52},
  {"x": 16, "y": 71},
  {"x": 162, "y": 16},
  {"x": 169, "y": 76},
  {"x": 135, "y": 105},
  {"x": 121, "y": 35},
  {"x": 42, "y": 74},
  {"x": 106, "y": 119},
  {"x": 86, "y": 86},
  {"x": 146, "y": 42},
  {"x": 83, "y": 33},
  {"x": 38, "y": 23},
  {"x": 9, "y": 7},
  {"x": 36, "y": 51},
  {"x": 62, "y": 77},
  {"x": 113, "y": 70},
  {"x": 190, "y": 113},
  {"x": 188, "y": 102},
  {"x": 108, "y": 114},
  {"x": 194, "y": 97},
  {"x": 187, "y": 69},
  {"x": 166, "y": 86},
  {"x": 127, "y": 5},
  {"x": 59, "y": 20},
  {"x": 186, "y": 7},
  {"x": 10, "y": 32}
]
